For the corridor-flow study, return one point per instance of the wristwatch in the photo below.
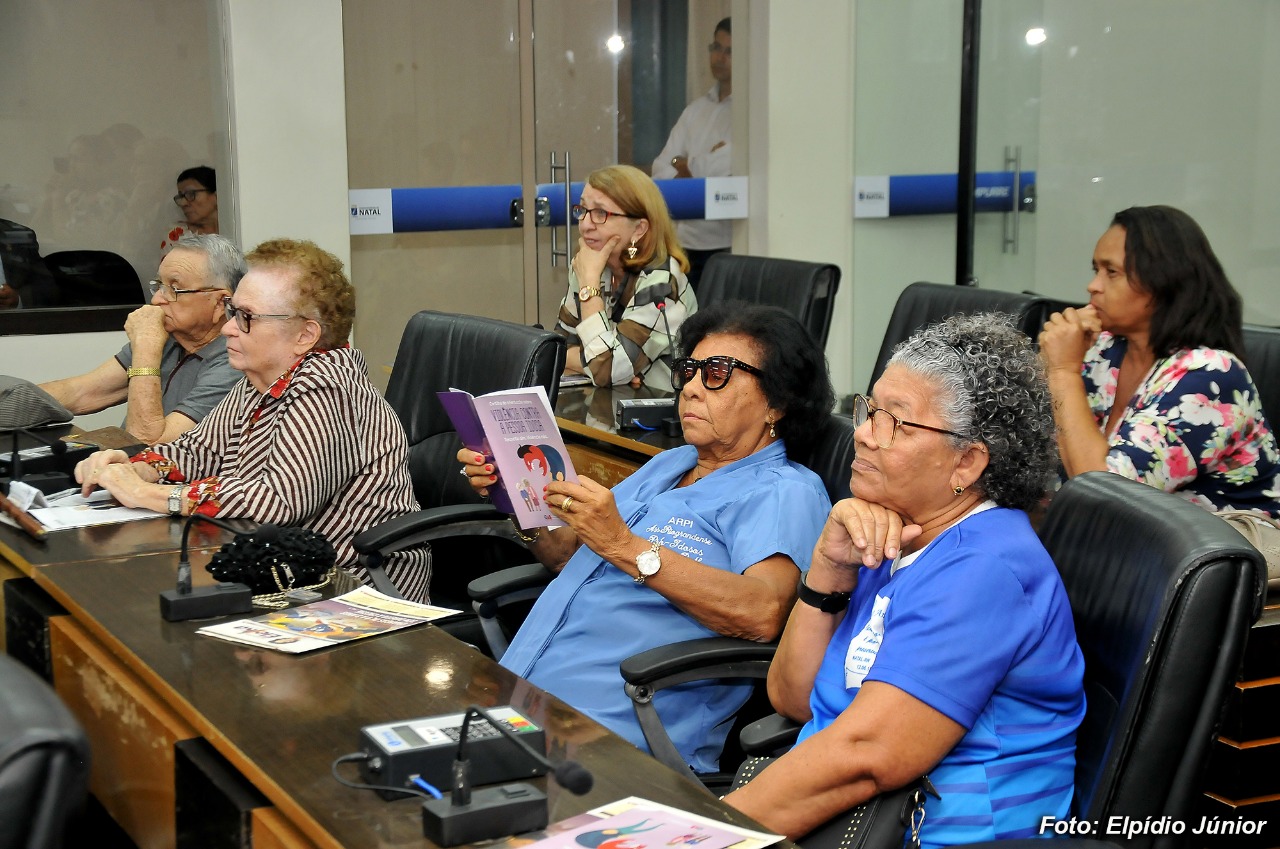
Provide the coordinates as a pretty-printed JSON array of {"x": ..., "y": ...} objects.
[
  {"x": 648, "y": 563},
  {"x": 175, "y": 501},
  {"x": 588, "y": 293},
  {"x": 826, "y": 602},
  {"x": 131, "y": 372}
]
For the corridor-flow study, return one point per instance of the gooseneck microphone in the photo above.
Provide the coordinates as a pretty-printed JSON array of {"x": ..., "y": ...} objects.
[
  {"x": 184, "y": 602},
  {"x": 490, "y": 812},
  {"x": 51, "y": 473}
]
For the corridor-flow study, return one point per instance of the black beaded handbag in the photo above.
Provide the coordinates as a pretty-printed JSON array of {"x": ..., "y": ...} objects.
[{"x": 274, "y": 562}]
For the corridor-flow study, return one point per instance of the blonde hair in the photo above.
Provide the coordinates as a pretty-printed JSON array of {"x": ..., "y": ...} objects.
[
  {"x": 324, "y": 292},
  {"x": 638, "y": 197}
]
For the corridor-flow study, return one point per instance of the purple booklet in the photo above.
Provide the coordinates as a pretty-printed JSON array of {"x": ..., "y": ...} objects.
[{"x": 516, "y": 431}]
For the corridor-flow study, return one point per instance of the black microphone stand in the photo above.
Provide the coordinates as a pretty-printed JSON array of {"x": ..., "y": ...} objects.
[
  {"x": 185, "y": 602},
  {"x": 490, "y": 812}
]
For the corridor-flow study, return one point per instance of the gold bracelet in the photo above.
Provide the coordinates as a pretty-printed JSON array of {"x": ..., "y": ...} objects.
[
  {"x": 533, "y": 537},
  {"x": 142, "y": 372}
]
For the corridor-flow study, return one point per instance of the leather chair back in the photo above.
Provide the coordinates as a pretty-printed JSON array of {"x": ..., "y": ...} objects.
[
  {"x": 921, "y": 304},
  {"x": 441, "y": 351},
  {"x": 94, "y": 278},
  {"x": 1163, "y": 595},
  {"x": 807, "y": 290},
  {"x": 832, "y": 455},
  {"x": 1262, "y": 356},
  {"x": 44, "y": 761}
]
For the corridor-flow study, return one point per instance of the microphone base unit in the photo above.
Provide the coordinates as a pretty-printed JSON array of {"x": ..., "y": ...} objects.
[
  {"x": 42, "y": 458},
  {"x": 427, "y": 747},
  {"x": 493, "y": 812},
  {"x": 47, "y": 482},
  {"x": 647, "y": 413},
  {"x": 221, "y": 599}
]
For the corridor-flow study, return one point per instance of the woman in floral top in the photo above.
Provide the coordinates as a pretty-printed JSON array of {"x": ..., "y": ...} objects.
[{"x": 1162, "y": 333}]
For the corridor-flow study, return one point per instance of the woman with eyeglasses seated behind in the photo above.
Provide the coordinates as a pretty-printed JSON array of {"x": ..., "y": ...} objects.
[
  {"x": 197, "y": 197},
  {"x": 706, "y": 539},
  {"x": 304, "y": 439},
  {"x": 628, "y": 294}
]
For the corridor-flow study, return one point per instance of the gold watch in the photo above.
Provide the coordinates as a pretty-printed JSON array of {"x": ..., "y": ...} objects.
[
  {"x": 588, "y": 293},
  {"x": 141, "y": 372}
]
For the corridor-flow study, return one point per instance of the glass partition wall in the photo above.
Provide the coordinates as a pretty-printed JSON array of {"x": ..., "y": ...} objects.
[{"x": 95, "y": 131}]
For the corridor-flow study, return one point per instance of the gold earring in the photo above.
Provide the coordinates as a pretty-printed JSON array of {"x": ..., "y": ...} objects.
[
  {"x": 773, "y": 433},
  {"x": 957, "y": 490},
  {"x": 631, "y": 251}
]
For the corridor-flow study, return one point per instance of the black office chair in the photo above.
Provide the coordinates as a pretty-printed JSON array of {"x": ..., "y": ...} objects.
[
  {"x": 469, "y": 538},
  {"x": 44, "y": 761},
  {"x": 921, "y": 304},
  {"x": 93, "y": 279},
  {"x": 1163, "y": 595},
  {"x": 1262, "y": 356},
  {"x": 807, "y": 290}
]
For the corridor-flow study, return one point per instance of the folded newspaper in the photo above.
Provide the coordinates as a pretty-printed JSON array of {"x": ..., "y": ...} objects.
[{"x": 363, "y": 612}]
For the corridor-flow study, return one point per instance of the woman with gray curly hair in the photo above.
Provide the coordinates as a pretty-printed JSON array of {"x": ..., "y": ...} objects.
[{"x": 931, "y": 600}]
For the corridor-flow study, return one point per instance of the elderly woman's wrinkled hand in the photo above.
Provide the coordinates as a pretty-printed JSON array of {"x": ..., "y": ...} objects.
[
  {"x": 481, "y": 474},
  {"x": 1067, "y": 337},
  {"x": 89, "y": 471},
  {"x": 588, "y": 507},
  {"x": 861, "y": 533}
]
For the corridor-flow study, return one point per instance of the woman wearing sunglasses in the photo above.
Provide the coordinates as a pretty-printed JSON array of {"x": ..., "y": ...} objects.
[
  {"x": 933, "y": 634},
  {"x": 706, "y": 539},
  {"x": 628, "y": 294},
  {"x": 304, "y": 439}
]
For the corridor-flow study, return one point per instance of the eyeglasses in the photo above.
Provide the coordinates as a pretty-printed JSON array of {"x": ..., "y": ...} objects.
[
  {"x": 245, "y": 319},
  {"x": 188, "y": 195},
  {"x": 715, "y": 47},
  {"x": 598, "y": 216},
  {"x": 885, "y": 427},
  {"x": 716, "y": 371},
  {"x": 171, "y": 293}
]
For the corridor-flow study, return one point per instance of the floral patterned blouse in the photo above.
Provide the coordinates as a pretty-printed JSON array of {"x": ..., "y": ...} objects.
[{"x": 1195, "y": 426}]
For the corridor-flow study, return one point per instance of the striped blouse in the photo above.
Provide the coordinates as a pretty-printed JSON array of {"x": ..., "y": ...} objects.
[{"x": 321, "y": 449}]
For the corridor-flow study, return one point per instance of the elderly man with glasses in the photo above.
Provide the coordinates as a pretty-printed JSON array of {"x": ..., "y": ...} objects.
[{"x": 174, "y": 369}]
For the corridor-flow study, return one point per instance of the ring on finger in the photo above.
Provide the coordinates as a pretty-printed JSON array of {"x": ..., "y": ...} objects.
[{"x": 564, "y": 505}]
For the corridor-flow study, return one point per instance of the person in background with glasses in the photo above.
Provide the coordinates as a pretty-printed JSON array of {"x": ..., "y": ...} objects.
[
  {"x": 174, "y": 369},
  {"x": 933, "y": 634},
  {"x": 197, "y": 197},
  {"x": 700, "y": 145},
  {"x": 706, "y": 539},
  {"x": 628, "y": 294},
  {"x": 303, "y": 439}
]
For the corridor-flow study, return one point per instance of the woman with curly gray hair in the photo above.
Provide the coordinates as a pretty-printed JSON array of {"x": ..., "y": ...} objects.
[{"x": 930, "y": 599}]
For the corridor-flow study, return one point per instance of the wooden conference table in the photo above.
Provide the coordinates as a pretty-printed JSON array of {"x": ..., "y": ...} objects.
[{"x": 140, "y": 685}]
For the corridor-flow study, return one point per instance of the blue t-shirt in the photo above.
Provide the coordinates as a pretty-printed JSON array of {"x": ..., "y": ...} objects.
[
  {"x": 593, "y": 616},
  {"x": 979, "y": 628}
]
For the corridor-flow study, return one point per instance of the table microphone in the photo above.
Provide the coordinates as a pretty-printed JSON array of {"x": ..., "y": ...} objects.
[
  {"x": 52, "y": 474},
  {"x": 494, "y": 811},
  {"x": 185, "y": 602}
]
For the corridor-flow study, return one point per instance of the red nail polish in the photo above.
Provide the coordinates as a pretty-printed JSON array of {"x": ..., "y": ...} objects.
[{"x": 488, "y": 467}]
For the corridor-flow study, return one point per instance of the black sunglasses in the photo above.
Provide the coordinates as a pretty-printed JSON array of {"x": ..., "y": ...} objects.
[{"x": 716, "y": 371}]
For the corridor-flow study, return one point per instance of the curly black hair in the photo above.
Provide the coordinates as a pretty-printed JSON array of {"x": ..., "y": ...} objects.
[{"x": 794, "y": 379}]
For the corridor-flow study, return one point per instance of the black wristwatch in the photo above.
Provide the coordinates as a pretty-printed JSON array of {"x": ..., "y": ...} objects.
[{"x": 826, "y": 602}]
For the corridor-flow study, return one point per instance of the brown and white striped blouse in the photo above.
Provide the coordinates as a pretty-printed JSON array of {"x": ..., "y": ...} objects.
[{"x": 321, "y": 449}]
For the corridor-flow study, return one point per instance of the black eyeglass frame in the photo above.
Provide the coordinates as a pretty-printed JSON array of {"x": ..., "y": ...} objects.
[
  {"x": 155, "y": 286},
  {"x": 580, "y": 212},
  {"x": 872, "y": 409},
  {"x": 244, "y": 318},
  {"x": 189, "y": 195},
  {"x": 680, "y": 366}
]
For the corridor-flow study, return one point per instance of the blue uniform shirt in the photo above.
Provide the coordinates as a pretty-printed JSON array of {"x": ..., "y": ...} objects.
[{"x": 593, "y": 615}]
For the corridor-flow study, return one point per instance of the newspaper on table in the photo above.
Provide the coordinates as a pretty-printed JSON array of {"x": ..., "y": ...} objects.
[
  {"x": 635, "y": 823},
  {"x": 69, "y": 509},
  {"x": 363, "y": 612},
  {"x": 515, "y": 430}
]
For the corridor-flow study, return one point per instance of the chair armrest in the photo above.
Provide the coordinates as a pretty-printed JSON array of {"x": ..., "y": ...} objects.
[
  {"x": 425, "y": 525},
  {"x": 769, "y": 735},
  {"x": 695, "y": 660},
  {"x": 493, "y": 586}
]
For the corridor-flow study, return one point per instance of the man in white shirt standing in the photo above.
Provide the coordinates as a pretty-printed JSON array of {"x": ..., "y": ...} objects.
[{"x": 700, "y": 145}]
